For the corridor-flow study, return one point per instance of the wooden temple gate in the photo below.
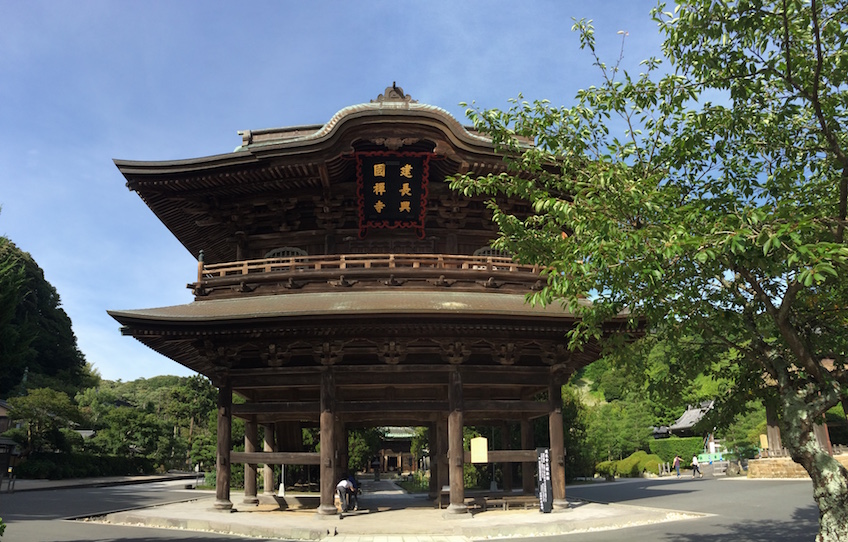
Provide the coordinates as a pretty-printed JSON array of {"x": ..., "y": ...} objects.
[{"x": 341, "y": 284}]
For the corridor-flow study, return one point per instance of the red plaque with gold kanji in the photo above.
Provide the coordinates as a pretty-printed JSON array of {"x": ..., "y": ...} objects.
[{"x": 392, "y": 190}]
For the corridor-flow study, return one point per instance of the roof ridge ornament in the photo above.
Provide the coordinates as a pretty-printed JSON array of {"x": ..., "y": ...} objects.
[{"x": 394, "y": 93}]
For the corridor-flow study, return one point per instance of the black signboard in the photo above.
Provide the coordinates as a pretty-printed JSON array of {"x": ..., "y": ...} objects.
[
  {"x": 545, "y": 489},
  {"x": 392, "y": 190}
]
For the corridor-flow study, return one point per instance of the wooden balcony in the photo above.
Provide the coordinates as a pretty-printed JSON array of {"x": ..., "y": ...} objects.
[{"x": 365, "y": 271}]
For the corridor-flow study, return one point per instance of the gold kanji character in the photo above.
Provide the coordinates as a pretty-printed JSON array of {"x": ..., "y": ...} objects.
[
  {"x": 379, "y": 170},
  {"x": 406, "y": 171},
  {"x": 405, "y": 206},
  {"x": 405, "y": 190},
  {"x": 379, "y": 188},
  {"x": 379, "y": 206}
]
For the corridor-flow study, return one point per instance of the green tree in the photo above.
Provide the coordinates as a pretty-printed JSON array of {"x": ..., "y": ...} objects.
[
  {"x": 95, "y": 404},
  {"x": 15, "y": 340},
  {"x": 578, "y": 458},
  {"x": 44, "y": 413},
  {"x": 189, "y": 404},
  {"x": 130, "y": 431},
  {"x": 363, "y": 445},
  {"x": 709, "y": 200},
  {"x": 36, "y": 339}
]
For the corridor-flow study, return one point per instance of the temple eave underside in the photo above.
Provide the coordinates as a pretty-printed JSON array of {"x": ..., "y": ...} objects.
[{"x": 388, "y": 369}]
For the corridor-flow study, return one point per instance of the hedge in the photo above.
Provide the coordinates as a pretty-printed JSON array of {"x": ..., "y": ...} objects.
[
  {"x": 632, "y": 466},
  {"x": 56, "y": 466},
  {"x": 686, "y": 447}
]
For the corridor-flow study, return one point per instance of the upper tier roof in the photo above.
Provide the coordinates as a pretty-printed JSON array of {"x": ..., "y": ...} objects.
[{"x": 204, "y": 201}]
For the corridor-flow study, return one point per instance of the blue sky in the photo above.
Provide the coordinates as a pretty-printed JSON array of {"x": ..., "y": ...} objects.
[{"x": 83, "y": 82}]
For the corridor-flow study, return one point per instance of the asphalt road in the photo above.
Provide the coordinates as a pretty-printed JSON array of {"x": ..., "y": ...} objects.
[
  {"x": 737, "y": 510},
  {"x": 740, "y": 510},
  {"x": 47, "y": 515}
]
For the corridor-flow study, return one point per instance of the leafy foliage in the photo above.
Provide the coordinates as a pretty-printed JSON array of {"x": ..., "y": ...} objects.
[
  {"x": 667, "y": 448},
  {"x": 44, "y": 412},
  {"x": 362, "y": 447},
  {"x": 708, "y": 200},
  {"x": 37, "y": 344}
]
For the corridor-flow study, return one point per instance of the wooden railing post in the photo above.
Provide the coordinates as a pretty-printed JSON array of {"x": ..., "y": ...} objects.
[{"x": 200, "y": 268}]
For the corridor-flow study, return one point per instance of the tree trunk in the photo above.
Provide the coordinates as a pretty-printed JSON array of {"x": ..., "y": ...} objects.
[{"x": 830, "y": 478}]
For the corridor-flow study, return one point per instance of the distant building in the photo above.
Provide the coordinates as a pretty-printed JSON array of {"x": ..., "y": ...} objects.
[
  {"x": 685, "y": 424},
  {"x": 395, "y": 453},
  {"x": 5, "y": 422}
]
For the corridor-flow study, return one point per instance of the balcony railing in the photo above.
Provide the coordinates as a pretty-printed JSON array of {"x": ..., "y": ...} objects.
[{"x": 311, "y": 269}]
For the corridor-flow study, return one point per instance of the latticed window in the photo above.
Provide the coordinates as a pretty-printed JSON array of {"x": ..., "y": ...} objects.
[
  {"x": 286, "y": 252},
  {"x": 489, "y": 251}
]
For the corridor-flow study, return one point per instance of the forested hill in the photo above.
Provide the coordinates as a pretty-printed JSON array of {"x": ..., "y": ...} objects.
[{"x": 38, "y": 348}]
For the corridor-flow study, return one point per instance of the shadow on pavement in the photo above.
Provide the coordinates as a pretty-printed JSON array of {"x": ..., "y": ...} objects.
[{"x": 799, "y": 527}]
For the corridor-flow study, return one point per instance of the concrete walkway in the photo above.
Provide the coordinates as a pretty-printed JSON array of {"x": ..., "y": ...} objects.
[{"x": 387, "y": 514}]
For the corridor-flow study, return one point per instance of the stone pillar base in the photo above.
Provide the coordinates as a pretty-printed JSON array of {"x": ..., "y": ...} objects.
[
  {"x": 456, "y": 509},
  {"x": 223, "y": 505},
  {"x": 560, "y": 505},
  {"x": 327, "y": 510},
  {"x": 251, "y": 500}
]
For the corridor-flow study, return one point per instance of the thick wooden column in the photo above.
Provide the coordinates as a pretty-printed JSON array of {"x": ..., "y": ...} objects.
[
  {"x": 251, "y": 438},
  {"x": 557, "y": 442},
  {"x": 342, "y": 441},
  {"x": 442, "y": 452},
  {"x": 328, "y": 444},
  {"x": 225, "y": 424},
  {"x": 269, "y": 445},
  {"x": 528, "y": 485},
  {"x": 434, "y": 487},
  {"x": 775, "y": 445},
  {"x": 507, "y": 467},
  {"x": 456, "y": 454},
  {"x": 289, "y": 439}
]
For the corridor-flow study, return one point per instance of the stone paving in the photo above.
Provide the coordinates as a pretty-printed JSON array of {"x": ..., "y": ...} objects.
[{"x": 388, "y": 514}]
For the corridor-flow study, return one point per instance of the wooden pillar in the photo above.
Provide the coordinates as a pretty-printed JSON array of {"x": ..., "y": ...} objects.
[
  {"x": 557, "y": 443},
  {"x": 289, "y": 439},
  {"x": 269, "y": 445},
  {"x": 328, "y": 444},
  {"x": 341, "y": 450},
  {"x": 225, "y": 445},
  {"x": 775, "y": 447},
  {"x": 528, "y": 485},
  {"x": 251, "y": 438},
  {"x": 434, "y": 488},
  {"x": 507, "y": 467},
  {"x": 442, "y": 451},
  {"x": 823, "y": 436},
  {"x": 456, "y": 454}
]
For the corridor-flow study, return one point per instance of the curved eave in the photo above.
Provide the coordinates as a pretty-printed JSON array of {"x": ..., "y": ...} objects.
[
  {"x": 282, "y": 142},
  {"x": 396, "y": 114},
  {"x": 349, "y": 304}
]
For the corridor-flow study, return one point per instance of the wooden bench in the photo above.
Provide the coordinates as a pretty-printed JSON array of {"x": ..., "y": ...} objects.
[{"x": 507, "y": 501}]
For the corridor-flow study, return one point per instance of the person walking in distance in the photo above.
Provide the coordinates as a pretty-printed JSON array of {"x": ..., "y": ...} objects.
[
  {"x": 676, "y": 464},
  {"x": 696, "y": 467}
]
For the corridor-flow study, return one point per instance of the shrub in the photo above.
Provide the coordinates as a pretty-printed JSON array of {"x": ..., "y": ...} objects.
[
  {"x": 55, "y": 466},
  {"x": 632, "y": 466},
  {"x": 629, "y": 466},
  {"x": 667, "y": 448},
  {"x": 606, "y": 469},
  {"x": 650, "y": 463}
]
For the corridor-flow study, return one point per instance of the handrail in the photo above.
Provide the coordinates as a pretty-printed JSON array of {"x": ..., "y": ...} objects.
[{"x": 355, "y": 262}]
